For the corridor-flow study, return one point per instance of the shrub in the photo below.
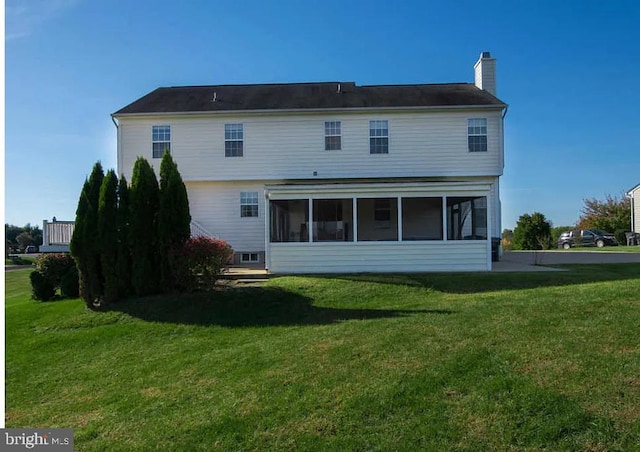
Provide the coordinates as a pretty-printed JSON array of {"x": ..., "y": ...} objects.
[
  {"x": 41, "y": 287},
  {"x": 53, "y": 266},
  {"x": 70, "y": 283},
  {"x": 621, "y": 236},
  {"x": 532, "y": 232},
  {"x": 50, "y": 272},
  {"x": 199, "y": 262}
]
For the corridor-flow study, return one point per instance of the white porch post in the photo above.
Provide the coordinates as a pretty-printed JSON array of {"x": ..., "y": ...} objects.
[
  {"x": 355, "y": 219},
  {"x": 445, "y": 226},
  {"x": 310, "y": 225},
  {"x": 489, "y": 230},
  {"x": 399, "y": 218},
  {"x": 267, "y": 231}
]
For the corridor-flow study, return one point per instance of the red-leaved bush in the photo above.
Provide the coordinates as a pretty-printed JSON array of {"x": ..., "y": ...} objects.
[{"x": 199, "y": 262}]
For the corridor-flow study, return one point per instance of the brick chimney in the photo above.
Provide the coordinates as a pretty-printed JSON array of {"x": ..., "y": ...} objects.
[{"x": 486, "y": 73}]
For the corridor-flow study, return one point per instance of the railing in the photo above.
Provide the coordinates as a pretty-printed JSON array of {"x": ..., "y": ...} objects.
[{"x": 197, "y": 230}]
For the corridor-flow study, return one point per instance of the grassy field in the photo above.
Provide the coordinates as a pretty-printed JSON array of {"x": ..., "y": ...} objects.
[{"x": 401, "y": 362}]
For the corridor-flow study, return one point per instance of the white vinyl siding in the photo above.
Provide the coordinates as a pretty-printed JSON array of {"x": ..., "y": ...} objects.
[
  {"x": 280, "y": 146},
  {"x": 214, "y": 205},
  {"x": 635, "y": 209},
  {"x": 387, "y": 257}
]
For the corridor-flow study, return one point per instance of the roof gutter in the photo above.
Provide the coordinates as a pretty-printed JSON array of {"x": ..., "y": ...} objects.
[{"x": 315, "y": 110}]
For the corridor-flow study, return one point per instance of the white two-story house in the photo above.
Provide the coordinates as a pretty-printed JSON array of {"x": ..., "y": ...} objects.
[{"x": 334, "y": 177}]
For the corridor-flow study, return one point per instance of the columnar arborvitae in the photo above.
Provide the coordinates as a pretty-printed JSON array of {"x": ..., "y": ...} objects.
[
  {"x": 123, "y": 259},
  {"x": 84, "y": 244},
  {"x": 174, "y": 219},
  {"x": 144, "y": 197},
  {"x": 108, "y": 235},
  {"x": 77, "y": 244}
]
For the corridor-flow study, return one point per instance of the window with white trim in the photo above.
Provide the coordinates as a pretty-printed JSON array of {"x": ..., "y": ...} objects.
[
  {"x": 233, "y": 140},
  {"x": 332, "y": 136},
  {"x": 249, "y": 204},
  {"x": 248, "y": 258},
  {"x": 379, "y": 137},
  {"x": 477, "y": 134},
  {"x": 160, "y": 140}
]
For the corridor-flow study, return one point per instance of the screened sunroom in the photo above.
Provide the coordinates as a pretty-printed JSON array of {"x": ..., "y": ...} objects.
[{"x": 381, "y": 227}]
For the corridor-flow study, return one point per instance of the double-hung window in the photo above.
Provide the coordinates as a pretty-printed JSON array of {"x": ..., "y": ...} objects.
[
  {"x": 233, "y": 140},
  {"x": 160, "y": 140},
  {"x": 379, "y": 137},
  {"x": 249, "y": 204},
  {"x": 477, "y": 133},
  {"x": 332, "y": 136}
]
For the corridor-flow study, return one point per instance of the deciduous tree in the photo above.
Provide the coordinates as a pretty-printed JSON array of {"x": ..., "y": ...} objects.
[{"x": 610, "y": 214}]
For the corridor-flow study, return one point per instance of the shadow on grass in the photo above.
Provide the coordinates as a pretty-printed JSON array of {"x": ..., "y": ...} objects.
[
  {"x": 465, "y": 283},
  {"x": 248, "y": 307}
]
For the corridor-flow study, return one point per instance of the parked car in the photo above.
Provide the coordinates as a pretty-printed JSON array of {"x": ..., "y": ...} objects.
[
  {"x": 30, "y": 249},
  {"x": 586, "y": 237}
]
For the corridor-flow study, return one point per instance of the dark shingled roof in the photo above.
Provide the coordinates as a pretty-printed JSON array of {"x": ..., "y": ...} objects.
[{"x": 324, "y": 95}]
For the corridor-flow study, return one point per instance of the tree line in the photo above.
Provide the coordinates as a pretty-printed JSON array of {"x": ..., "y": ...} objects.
[{"x": 17, "y": 238}]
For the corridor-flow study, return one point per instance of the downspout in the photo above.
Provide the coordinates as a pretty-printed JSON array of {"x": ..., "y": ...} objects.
[
  {"x": 115, "y": 123},
  {"x": 633, "y": 216}
]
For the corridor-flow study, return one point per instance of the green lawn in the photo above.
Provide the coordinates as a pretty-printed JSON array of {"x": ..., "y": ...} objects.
[
  {"x": 501, "y": 361},
  {"x": 607, "y": 249}
]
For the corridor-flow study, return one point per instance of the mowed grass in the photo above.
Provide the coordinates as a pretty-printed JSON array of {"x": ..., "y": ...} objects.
[
  {"x": 607, "y": 249},
  {"x": 366, "y": 362}
]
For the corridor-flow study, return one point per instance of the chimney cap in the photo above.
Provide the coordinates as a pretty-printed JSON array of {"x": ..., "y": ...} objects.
[{"x": 485, "y": 55}]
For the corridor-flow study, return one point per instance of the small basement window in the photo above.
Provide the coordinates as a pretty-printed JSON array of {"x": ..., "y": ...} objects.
[{"x": 248, "y": 258}]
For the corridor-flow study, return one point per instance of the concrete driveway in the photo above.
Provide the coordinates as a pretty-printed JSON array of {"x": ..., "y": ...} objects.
[{"x": 539, "y": 260}]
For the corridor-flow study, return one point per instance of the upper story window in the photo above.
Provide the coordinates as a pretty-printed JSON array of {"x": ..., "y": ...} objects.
[
  {"x": 233, "y": 140},
  {"x": 379, "y": 137},
  {"x": 160, "y": 140},
  {"x": 332, "y": 136},
  {"x": 477, "y": 133},
  {"x": 249, "y": 204}
]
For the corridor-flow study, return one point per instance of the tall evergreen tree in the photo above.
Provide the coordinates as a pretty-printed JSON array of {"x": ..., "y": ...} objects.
[
  {"x": 77, "y": 244},
  {"x": 174, "y": 219},
  {"x": 84, "y": 243},
  {"x": 123, "y": 259},
  {"x": 143, "y": 232},
  {"x": 108, "y": 235}
]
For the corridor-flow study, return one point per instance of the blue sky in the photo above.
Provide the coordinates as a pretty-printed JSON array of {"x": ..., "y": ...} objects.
[{"x": 568, "y": 70}]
